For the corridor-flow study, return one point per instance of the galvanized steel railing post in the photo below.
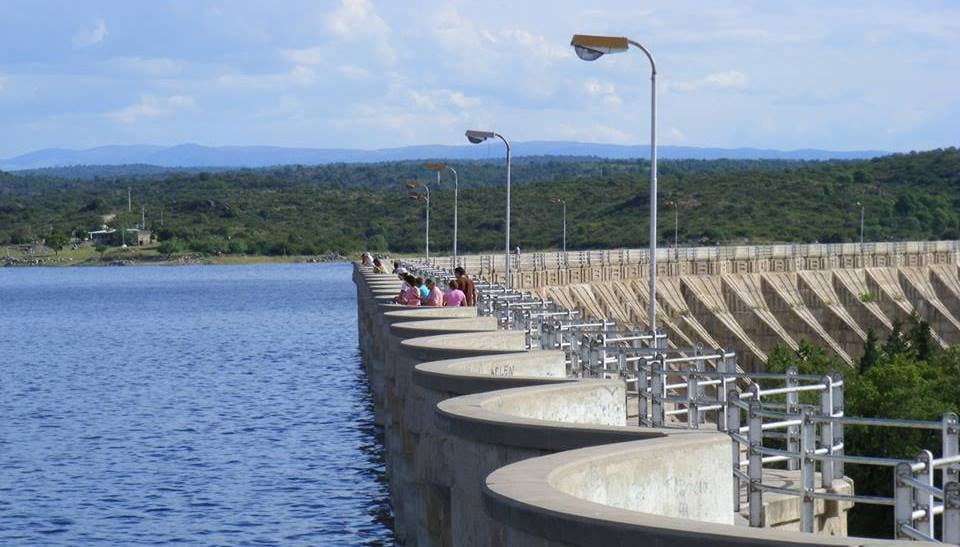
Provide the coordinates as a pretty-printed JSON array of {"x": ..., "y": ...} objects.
[
  {"x": 808, "y": 469},
  {"x": 643, "y": 385},
  {"x": 903, "y": 499},
  {"x": 793, "y": 431},
  {"x": 693, "y": 392},
  {"x": 755, "y": 466},
  {"x": 951, "y": 447},
  {"x": 838, "y": 434},
  {"x": 657, "y": 391},
  {"x": 951, "y": 512},
  {"x": 924, "y": 499},
  {"x": 826, "y": 433},
  {"x": 733, "y": 427}
]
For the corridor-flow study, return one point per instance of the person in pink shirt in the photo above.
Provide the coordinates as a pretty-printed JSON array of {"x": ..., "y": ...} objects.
[
  {"x": 411, "y": 295},
  {"x": 435, "y": 296},
  {"x": 454, "y": 297}
]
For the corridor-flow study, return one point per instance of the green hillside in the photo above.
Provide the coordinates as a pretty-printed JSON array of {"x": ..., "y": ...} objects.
[{"x": 349, "y": 207}]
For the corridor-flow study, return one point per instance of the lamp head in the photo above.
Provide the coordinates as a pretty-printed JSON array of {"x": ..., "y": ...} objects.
[
  {"x": 476, "y": 137},
  {"x": 591, "y": 48}
]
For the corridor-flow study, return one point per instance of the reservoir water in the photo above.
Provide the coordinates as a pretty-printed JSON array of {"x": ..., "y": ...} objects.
[{"x": 196, "y": 405}]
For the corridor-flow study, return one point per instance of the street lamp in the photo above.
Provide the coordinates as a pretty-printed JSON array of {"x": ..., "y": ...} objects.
[
  {"x": 414, "y": 185},
  {"x": 563, "y": 203},
  {"x": 591, "y": 48},
  {"x": 456, "y": 191},
  {"x": 676, "y": 226},
  {"x": 476, "y": 137},
  {"x": 861, "y": 206}
]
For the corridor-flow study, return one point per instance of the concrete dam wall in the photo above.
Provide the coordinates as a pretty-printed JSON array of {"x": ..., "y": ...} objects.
[
  {"x": 489, "y": 443},
  {"x": 752, "y": 299}
]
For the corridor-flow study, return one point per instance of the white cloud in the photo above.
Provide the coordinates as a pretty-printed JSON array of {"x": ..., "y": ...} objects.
[
  {"x": 151, "y": 106},
  {"x": 148, "y": 66},
  {"x": 719, "y": 81},
  {"x": 352, "y": 72},
  {"x": 307, "y": 56},
  {"x": 90, "y": 37},
  {"x": 357, "y": 21},
  {"x": 604, "y": 90},
  {"x": 726, "y": 80},
  {"x": 299, "y": 75}
]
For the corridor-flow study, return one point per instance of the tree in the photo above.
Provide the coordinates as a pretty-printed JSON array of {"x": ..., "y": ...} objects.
[
  {"x": 57, "y": 242},
  {"x": 921, "y": 341},
  {"x": 871, "y": 351},
  {"x": 896, "y": 342},
  {"x": 101, "y": 248}
]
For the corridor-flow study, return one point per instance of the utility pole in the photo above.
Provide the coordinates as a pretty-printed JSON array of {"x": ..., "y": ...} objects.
[
  {"x": 143, "y": 219},
  {"x": 129, "y": 201}
]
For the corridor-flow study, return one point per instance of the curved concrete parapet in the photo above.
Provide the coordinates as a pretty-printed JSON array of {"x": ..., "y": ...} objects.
[
  {"x": 435, "y": 348},
  {"x": 489, "y": 430},
  {"x": 635, "y": 493},
  {"x": 479, "y": 374}
]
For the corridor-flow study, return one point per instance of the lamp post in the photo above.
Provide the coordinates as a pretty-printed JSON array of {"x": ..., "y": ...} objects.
[
  {"x": 476, "y": 137},
  {"x": 860, "y": 205},
  {"x": 591, "y": 48},
  {"x": 413, "y": 185},
  {"x": 676, "y": 227},
  {"x": 563, "y": 203},
  {"x": 456, "y": 191}
]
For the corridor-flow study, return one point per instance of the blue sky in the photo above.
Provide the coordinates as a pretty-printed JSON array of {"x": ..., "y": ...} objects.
[{"x": 371, "y": 73}]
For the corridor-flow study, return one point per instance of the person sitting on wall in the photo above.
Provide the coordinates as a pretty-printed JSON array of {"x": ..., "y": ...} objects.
[
  {"x": 466, "y": 285},
  {"x": 424, "y": 291},
  {"x": 434, "y": 294},
  {"x": 366, "y": 258},
  {"x": 454, "y": 297},
  {"x": 378, "y": 266},
  {"x": 411, "y": 295}
]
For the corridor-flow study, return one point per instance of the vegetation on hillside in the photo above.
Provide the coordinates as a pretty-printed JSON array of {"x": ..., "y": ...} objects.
[{"x": 346, "y": 208}]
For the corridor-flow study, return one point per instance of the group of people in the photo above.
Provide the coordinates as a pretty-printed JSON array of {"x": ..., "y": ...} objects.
[
  {"x": 417, "y": 291},
  {"x": 368, "y": 260}
]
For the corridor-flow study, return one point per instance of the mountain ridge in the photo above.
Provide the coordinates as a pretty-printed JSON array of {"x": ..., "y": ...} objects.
[{"x": 196, "y": 155}]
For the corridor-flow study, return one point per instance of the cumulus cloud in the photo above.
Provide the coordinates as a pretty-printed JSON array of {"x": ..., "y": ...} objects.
[
  {"x": 152, "y": 106},
  {"x": 719, "y": 81},
  {"x": 358, "y": 21},
  {"x": 90, "y": 36},
  {"x": 604, "y": 90}
]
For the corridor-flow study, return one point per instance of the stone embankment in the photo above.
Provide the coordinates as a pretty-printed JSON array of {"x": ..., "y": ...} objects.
[{"x": 488, "y": 443}]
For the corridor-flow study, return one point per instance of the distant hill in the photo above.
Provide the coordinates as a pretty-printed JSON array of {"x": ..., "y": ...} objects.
[{"x": 195, "y": 155}]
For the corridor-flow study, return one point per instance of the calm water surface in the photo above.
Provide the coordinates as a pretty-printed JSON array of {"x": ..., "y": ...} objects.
[{"x": 220, "y": 405}]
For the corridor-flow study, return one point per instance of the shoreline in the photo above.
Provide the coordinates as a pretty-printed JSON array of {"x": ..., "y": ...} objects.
[{"x": 182, "y": 260}]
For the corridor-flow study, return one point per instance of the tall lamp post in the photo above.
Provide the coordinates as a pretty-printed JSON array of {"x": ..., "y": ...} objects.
[
  {"x": 476, "y": 137},
  {"x": 860, "y": 205},
  {"x": 676, "y": 226},
  {"x": 563, "y": 203},
  {"x": 456, "y": 191},
  {"x": 414, "y": 185},
  {"x": 591, "y": 48}
]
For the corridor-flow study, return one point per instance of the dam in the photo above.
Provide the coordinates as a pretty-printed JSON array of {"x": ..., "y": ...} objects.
[
  {"x": 753, "y": 298},
  {"x": 496, "y": 434}
]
